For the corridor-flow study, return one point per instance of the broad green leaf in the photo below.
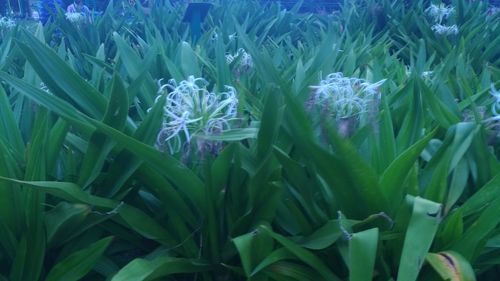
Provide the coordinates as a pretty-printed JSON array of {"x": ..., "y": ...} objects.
[
  {"x": 188, "y": 61},
  {"x": 323, "y": 237},
  {"x": 362, "y": 254},
  {"x": 451, "y": 266},
  {"x": 422, "y": 228},
  {"x": 144, "y": 270},
  {"x": 483, "y": 197},
  {"x": 60, "y": 78},
  {"x": 135, "y": 218},
  {"x": 392, "y": 180},
  {"x": 62, "y": 218},
  {"x": 78, "y": 264},
  {"x": 99, "y": 146},
  {"x": 473, "y": 239},
  {"x": 303, "y": 254},
  {"x": 8, "y": 126}
]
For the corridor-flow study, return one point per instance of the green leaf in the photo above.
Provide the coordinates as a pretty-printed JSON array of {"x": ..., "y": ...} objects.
[
  {"x": 79, "y": 263},
  {"x": 451, "y": 266},
  {"x": 472, "y": 241},
  {"x": 99, "y": 145},
  {"x": 62, "y": 218},
  {"x": 323, "y": 237},
  {"x": 269, "y": 127},
  {"x": 60, "y": 78},
  {"x": 52, "y": 103},
  {"x": 144, "y": 270},
  {"x": 362, "y": 253},
  {"x": 232, "y": 135},
  {"x": 483, "y": 197},
  {"x": 392, "y": 180},
  {"x": 8, "y": 126},
  {"x": 188, "y": 61},
  {"x": 420, "y": 233},
  {"x": 303, "y": 254},
  {"x": 135, "y": 218}
]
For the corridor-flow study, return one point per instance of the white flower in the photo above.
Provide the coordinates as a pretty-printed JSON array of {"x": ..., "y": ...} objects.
[
  {"x": 427, "y": 74},
  {"x": 444, "y": 29},
  {"x": 440, "y": 12},
  {"x": 75, "y": 17},
  {"x": 229, "y": 58},
  {"x": 245, "y": 61},
  {"x": 6, "y": 23},
  {"x": 232, "y": 37},
  {"x": 495, "y": 107},
  {"x": 345, "y": 96},
  {"x": 214, "y": 35},
  {"x": 191, "y": 110},
  {"x": 246, "y": 58},
  {"x": 44, "y": 88}
]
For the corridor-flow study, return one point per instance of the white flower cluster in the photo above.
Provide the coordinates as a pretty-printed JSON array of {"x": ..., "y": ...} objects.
[
  {"x": 75, "y": 17},
  {"x": 345, "y": 96},
  {"x": 6, "y": 23},
  {"x": 232, "y": 37},
  {"x": 245, "y": 59},
  {"x": 439, "y": 13},
  {"x": 191, "y": 110},
  {"x": 495, "y": 107},
  {"x": 44, "y": 88},
  {"x": 445, "y": 29},
  {"x": 214, "y": 36},
  {"x": 426, "y": 75}
]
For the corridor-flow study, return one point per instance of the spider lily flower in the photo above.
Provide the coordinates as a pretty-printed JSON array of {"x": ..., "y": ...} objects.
[
  {"x": 192, "y": 110},
  {"x": 214, "y": 35},
  {"x": 232, "y": 37},
  {"x": 7, "y": 23},
  {"x": 492, "y": 11},
  {"x": 245, "y": 59},
  {"x": 44, "y": 88},
  {"x": 75, "y": 17},
  {"x": 495, "y": 107},
  {"x": 345, "y": 97},
  {"x": 444, "y": 29},
  {"x": 439, "y": 12},
  {"x": 426, "y": 75}
]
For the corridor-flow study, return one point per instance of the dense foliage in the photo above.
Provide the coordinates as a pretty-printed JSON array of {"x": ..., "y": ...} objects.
[{"x": 356, "y": 145}]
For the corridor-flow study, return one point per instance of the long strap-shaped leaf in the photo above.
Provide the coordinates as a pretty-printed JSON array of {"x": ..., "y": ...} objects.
[
  {"x": 131, "y": 216},
  {"x": 362, "y": 253},
  {"x": 60, "y": 78},
  {"x": 142, "y": 269},
  {"x": 184, "y": 179},
  {"x": 421, "y": 230}
]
